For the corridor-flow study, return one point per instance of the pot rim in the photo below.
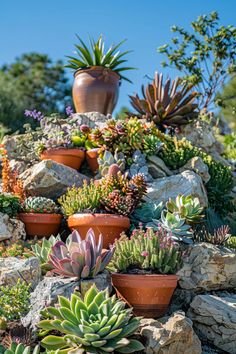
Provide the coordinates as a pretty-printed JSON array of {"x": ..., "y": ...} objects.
[
  {"x": 74, "y": 152},
  {"x": 145, "y": 276},
  {"x": 97, "y": 68},
  {"x": 100, "y": 215},
  {"x": 41, "y": 215}
]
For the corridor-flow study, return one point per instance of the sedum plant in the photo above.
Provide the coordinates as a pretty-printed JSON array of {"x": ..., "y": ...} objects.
[
  {"x": 42, "y": 251},
  {"x": 9, "y": 204},
  {"x": 20, "y": 348},
  {"x": 187, "y": 207},
  {"x": 96, "y": 324},
  {"x": 176, "y": 226},
  {"x": 166, "y": 104},
  {"x": 40, "y": 205},
  {"x": 79, "y": 258},
  {"x": 97, "y": 56},
  {"x": 152, "y": 251}
]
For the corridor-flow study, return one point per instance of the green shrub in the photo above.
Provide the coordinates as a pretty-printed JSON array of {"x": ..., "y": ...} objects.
[{"x": 9, "y": 204}]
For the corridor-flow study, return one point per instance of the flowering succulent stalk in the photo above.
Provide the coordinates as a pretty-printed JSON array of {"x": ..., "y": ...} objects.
[
  {"x": 40, "y": 205},
  {"x": 79, "y": 258}
]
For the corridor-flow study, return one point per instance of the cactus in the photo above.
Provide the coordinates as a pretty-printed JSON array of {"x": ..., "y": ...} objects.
[
  {"x": 187, "y": 207},
  {"x": 176, "y": 227},
  {"x": 42, "y": 251},
  {"x": 19, "y": 348},
  {"x": 96, "y": 324},
  {"x": 39, "y": 205},
  {"x": 79, "y": 258},
  {"x": 146, "y": 250},
  {"x": 109, "y": 159}
]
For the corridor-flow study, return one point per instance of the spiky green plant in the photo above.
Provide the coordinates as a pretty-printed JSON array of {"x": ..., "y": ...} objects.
[
  {"x": 168, "y": 105},
  {"x": 149, "y": 250},
  {"x": 40, "y": 205},
  {"x": 97, "y": 56},
  {"x": 220, "y": 236},
  {"x": 79, "y": 258},
  {"x": 176, "y": 226},
  {"x": 19, "y": 348},
  {"x": 96, "y": 324},
  {"x": 42, "y": 251},
  {"x": 188, "y": 207}
]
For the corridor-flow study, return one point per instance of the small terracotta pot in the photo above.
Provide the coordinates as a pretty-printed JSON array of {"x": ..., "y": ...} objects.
[
  {"x": 41, "y": 225},
  {"x": 69, "y": 157},
  {"x": 92, "y": 159},
  {"x": 95, "y": 89},
  {"x": 148, "y": 294},
  {"x": 109, "y": 225}
]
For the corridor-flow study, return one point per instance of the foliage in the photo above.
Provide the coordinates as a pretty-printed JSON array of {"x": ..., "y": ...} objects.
[
  {"x": 229, "y": 142},
  {"x": 187, "y": 207},
  {"x": 42, "y": 251},
  {"x": 146, "y": 212},
  {"x": 19, "y": 348},
  {"x": 32, "y": 72},
  {"x": 96, "y": 56},
  {"x": 176, "y": 226},
  {"x": 107, "y": 159},
  {"x": 11, "y": 183},
  {"x": 205, "y": 55},
  {"x": 168, "y": 105},
  {"x": 3, "y": 131},
  {"x": 17, "y": 249},
  {"x": 96, "y": 324},
  {"x": 9, "y": 204},
  {"x": 220, "y": 236},
  {"x": 152, "y": 251},
  {"x": 14, "y": 300},
  {"x": 212, "y": 220},
  {"x": 227, "y": 102},
  {"x": 231, "y": 242},
  {"x": 40, "y": 205},
  {"x": 79, "y": 258}
]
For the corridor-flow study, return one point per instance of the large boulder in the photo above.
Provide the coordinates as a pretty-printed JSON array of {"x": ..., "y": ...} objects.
[
  {"x": 12, "y": 269},
  {"x": 11, "y": 228},
  {"x": 50, "y": 179},
  {"x": 48, "y": 290},
  {"x": 187, "y": 182},
  {"x": 197, "y": 165},
  {"x": 174, "y": 336},
  {"x": 208, "y": 267},
  {"x": 214, "y": 319}
]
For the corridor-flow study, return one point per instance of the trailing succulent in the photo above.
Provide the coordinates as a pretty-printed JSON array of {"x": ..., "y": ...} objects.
[
  {"x": 96, "y": 324},
  {"x": 40, "y": 205},
  {"x": 167, "y": 105},
  {"x": 79, "y": 258},
  {"x": 151, "y": 251},
  {"x": 9, "y": 204}
]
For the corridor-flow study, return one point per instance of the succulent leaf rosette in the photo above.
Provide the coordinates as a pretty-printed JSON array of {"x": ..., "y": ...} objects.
[{"x": 40, "y": 205}]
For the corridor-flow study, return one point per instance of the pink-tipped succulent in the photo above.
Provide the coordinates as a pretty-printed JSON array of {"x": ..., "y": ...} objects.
[{"x": 80, "y": 258}]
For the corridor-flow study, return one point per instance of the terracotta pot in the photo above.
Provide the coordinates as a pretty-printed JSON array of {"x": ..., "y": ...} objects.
[
  {"x": 69, "y": 157},
  {"x": 109, "y": 225},
  {"x": 92, "y": 159},
  {"x": 148, "y": 294},
  {"x": 95, "y": 89},
  {"x": 42, "y": 225}
]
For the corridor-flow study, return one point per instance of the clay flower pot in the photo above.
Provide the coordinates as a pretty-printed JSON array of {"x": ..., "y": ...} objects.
[
  {"x": 148, "y": 294},
  {"x": 109, "y": 225},
  {"x": 70, "y": 157},
  {"x": 92, "y": 159},
  {"x": 95, "y": 89},
  {"x": 41, "y": 225}
]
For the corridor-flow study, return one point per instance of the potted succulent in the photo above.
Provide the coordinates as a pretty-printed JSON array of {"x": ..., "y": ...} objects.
[
  {"x": 143, "y": 270},
  {"x": 41, "y": 216},
  {"x": 97, "y": 76},
  {"x": 104, "y": 205}
]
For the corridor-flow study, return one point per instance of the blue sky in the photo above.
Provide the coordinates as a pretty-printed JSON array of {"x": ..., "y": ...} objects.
[{"x": 49, "y": 26}]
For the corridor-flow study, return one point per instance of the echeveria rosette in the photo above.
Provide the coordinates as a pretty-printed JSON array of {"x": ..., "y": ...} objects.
[
  {"x": 79, "y": 258},
  {"x": 40, "y": 205},
  {"x": 96, "y": 324}
]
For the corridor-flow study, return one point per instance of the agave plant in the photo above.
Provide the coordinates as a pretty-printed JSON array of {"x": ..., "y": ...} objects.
[
  {"x": 20, "y": 348},
  {"x": 96, "y": 324},
  {"x": 79, "y": 258},
  {"x": 176, "y": 226},
  {"x": 97, "y": 56},
  {"x": 167, "y": 104},
  {"x": 187, "y": 207},
  {"x": 42, "y": 251}
]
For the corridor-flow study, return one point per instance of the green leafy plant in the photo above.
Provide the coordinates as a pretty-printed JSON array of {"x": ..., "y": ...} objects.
[
  {"x": 42, "y": 251},
  {"x": 187, "y": 207},
  {"x": 176, "y": 226},
  {"x": 96, "y": 324},
  {"x": 19, "y": 348},
  {"x": 14, "y": 300},
  {"x": 231, "y": 242},
  {"x": 97, "y": 56},
  {"x": 168, "y": 105},
  {"x": 152, "y": 251},
  {"x": 79, "y": 258},
  {"x": 9, "y": 204},
  {"x": 220, "y": 236},
  {"x": 205, "y": 55},
  {"x": 18, "y": 248},
  {"x": 40, "y": 205}
]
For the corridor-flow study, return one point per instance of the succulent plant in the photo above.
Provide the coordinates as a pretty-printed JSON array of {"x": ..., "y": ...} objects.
[
  {"x": 168, "y": 105},
  {"x": 42, "y": 251},
  {"x": 176, "y": 226},
  {"x": 19, "y": 348},
  {"x": 139, "y": 165},
  {"x": 96, "y": 324},
  {"x": 79, "y": 258},
  {"x": 218, "y": 237},
  {"x": 148, "y": 250},
  {"x": 9, "y": 204},
  {"x": 146, "y": 212},
  {"x": 40, "y": 205},
  {"x": 187, "y": 207},
  {"x": 231, "y": 242},
  {"x": 109, "y": 159}
]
